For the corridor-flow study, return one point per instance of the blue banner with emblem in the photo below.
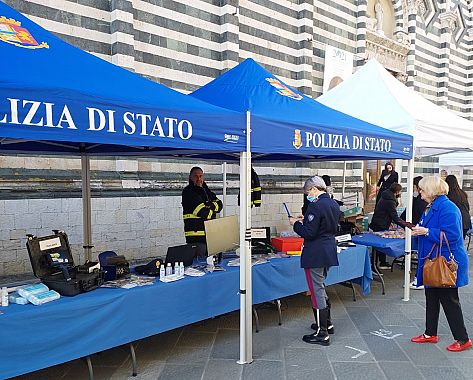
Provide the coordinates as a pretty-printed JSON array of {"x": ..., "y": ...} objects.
[
  {"x": 286, "y": 124},
  {"x": 55, "y": 98}
]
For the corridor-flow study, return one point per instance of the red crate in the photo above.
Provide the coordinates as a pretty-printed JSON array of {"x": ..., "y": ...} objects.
[{"x": 289, "y": 243}]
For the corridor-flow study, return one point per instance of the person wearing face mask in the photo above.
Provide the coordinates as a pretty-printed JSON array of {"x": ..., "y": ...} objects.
[
  {"x": 318, "y": 228},
  {"x": 329, "y": 191},
  {"x": 384, "y": 214},
  {"x": 387, "y": 178},
  {"x": 199, "y": 203}
]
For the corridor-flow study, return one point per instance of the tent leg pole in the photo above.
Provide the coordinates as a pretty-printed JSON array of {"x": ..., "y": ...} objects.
[
  {"x": 86, "y": 206},
  {"x": 224, "y": 190},
  {"x": 408, "y": 248},
  {"x": 344, "y": 178},
  {"x": 246, "y": 329}
]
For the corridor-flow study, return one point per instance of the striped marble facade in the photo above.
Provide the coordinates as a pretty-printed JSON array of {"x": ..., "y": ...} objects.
[{"x": 184, "y": 44}]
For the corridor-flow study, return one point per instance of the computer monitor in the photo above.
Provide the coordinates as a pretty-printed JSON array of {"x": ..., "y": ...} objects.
[{"x": 222, "y": 235}]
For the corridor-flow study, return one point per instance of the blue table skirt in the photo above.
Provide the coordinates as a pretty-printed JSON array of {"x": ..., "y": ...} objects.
[
  {"x": 35, "y": 337},
  {"x": 391, "y": 247}
]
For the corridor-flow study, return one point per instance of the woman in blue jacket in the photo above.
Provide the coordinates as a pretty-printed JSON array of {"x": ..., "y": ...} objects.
[
  {"x": 441, "y": 214},
  {"x": 318, "y": 227}
]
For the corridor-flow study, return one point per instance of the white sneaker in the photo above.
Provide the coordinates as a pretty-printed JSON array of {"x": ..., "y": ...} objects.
[{"x": 413, "y": 285}]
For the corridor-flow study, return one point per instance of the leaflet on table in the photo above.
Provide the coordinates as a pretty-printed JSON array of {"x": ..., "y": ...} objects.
[{"x": 128, "y": 283}]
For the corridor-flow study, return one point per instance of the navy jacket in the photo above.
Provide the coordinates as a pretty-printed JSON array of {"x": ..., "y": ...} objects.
[
  {"x": 318, "y": 230},
  {"x": 445, "y": 216}
]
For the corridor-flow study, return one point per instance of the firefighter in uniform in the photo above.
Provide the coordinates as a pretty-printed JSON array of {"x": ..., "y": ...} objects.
[{"x": 199, "y": 203}]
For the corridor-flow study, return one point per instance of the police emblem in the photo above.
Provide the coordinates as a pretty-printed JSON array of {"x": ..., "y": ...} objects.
[
  {"x": 297, "y": 143},
  {"x": 11, "y": 32},
  {"x": 283, "y": 89},
  {"x": 310, "y": 217}
]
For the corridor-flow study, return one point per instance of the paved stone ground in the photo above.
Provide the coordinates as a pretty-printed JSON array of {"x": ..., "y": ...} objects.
[{"x": 209, "y": 349}]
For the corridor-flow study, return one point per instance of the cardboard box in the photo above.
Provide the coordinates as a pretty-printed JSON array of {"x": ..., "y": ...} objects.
[{"x": 287, "y": 244}]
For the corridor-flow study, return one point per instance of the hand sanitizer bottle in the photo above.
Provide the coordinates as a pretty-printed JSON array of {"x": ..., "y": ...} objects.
[
  {"x": 169, "y": 270},
  {"x": 162, "y": 271}
]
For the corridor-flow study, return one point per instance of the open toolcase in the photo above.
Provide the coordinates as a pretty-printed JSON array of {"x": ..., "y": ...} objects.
[{"x": 53, "y": 264}]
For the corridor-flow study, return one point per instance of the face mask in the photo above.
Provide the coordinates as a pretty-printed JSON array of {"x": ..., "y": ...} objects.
[{"x": 311, "y": 198}]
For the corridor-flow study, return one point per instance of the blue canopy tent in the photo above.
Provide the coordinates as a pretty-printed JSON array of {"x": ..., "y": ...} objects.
[
  {"x": 57, "y": 99},
  {"x": 294, "y": 126},
  {"x": 287, "y": 125}
]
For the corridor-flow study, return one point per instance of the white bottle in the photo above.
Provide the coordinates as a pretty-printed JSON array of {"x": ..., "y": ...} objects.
[
  {"x": 4, "y": 293},
  {"x": 168, "y": 269},
  {"x": 181, "y": 268},
  {"x": 162, "y": 271}
]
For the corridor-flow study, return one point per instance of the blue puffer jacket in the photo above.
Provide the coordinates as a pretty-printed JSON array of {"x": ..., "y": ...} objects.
[{"x": 443, "y": 215}]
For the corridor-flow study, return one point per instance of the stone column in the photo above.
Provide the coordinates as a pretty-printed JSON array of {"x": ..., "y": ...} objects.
[
  {"x": 229, "y": 22},
  {"x": 361, "y": 20},
  {"x": 306, "y": 35},
  {"x": 412, "y": 7},
  {"x": 469, "y": 88},
  {"x": 447, "y": 23},
  {"x": 122, "y": 34}
]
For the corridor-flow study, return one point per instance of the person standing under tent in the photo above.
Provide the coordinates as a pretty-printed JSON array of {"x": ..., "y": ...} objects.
[
  {"x": 199, "y": 203},
  {"x": 384, "y": 214},
  {"x": 387, "y": 178},
  {"x": 418, "y": 207},
  {"x": 329, "y": 191},
  {"x": 442, "y": 221},
  {"x": 460, "y": 198},
  {"x": 318, "y": 228}
]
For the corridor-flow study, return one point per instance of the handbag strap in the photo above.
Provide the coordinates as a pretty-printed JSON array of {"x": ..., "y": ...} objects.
[
  {"x": 430, "y": 253},
  {"x": 442, "y": 237}
]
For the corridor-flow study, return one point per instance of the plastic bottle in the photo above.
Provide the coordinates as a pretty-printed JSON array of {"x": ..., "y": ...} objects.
[
  {"x": 162, "y": 271},
  {"x": 181, "y": 268},
  {"x": 4, "y": 293},
  {"x": 169, "y": 270}
]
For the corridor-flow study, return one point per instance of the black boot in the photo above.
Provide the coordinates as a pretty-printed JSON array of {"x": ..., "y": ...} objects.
[
  {"x": 330, "y": 328},
  {"x": 321, "y": 335}
]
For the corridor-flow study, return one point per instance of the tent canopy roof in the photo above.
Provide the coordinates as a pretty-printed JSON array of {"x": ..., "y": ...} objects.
[
  {"x": 374, "y": 95},
  {"x": 288, "y": 123},
  {"x": 57, "y": 99}
]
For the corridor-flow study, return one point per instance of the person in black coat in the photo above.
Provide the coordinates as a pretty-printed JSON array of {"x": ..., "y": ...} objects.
[
  {"x": 387, "y": 178},
  {"x": 418, "y": 204},
  {"x": 318, "y": 228},
  {"x": 384, "y": 214},
  {"x": 460, "y": 198}
]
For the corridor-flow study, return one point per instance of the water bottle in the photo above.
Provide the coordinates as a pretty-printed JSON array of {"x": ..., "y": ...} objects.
[
  {"x": 181, "y": 267},
  {"x": 162, "y": 271},
  {"x": 4, "y": 293},
  {"x": 169, "y": 270}
]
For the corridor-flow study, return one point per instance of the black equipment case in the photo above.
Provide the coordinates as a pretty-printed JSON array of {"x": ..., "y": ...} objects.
[{"x": 53, "y": 264}]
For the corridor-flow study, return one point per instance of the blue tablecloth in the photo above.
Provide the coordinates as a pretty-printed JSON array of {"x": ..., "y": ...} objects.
[
  {"x": 391, "y": 247},
  {"x": 35, "y": 337}
]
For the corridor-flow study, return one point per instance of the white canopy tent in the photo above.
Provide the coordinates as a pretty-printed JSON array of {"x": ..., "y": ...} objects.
[
  {"x": 456, "y": 159},
  {"x": 372, "y": 94}
]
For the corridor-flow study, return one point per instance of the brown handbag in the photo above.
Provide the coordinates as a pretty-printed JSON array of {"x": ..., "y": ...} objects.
[{"x": 438, "y": 272}]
